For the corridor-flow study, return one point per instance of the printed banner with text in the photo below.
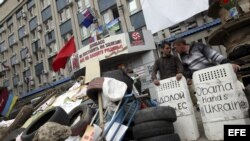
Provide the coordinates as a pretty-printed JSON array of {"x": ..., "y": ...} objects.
[{"x": 103, "y": 49}]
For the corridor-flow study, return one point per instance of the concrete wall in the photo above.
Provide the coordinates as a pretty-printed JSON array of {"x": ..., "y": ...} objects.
[{"x": 9, "y": 6}]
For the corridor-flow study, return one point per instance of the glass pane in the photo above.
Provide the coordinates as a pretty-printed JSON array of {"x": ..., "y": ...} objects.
[{"x": 132, "y": 6}]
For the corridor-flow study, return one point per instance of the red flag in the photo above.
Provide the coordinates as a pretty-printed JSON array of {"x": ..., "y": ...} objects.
[{"x": 63, "y": 55}]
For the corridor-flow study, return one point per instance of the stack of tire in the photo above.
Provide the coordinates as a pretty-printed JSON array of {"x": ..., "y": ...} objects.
[
  {"x": 58, "y": 115},
  {"x": 155, "y": 124}
]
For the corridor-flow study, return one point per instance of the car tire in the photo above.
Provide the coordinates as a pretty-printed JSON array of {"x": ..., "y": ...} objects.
[
  {"x": 170, "y": 137},
  {"x": 86, "y": 115},
  {"x": 155, "y": 113},
  {"x": 56, "y": 114},
  {"x": 152, "y": 128}
]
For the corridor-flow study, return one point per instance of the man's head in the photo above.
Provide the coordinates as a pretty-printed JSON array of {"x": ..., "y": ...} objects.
[
  {"x": 165, "y": 48},
  {"x": 181, "y": 46},
  {"x": 125, "y": 68}
]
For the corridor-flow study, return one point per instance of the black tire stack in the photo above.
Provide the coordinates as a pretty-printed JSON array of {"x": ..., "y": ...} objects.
[{"x": 155, "y": 124}]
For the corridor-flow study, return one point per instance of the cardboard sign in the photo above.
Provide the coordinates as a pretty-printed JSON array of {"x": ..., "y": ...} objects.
[
  {"x": 92, "y": 70},
  {"x": 175, "y": 94}
]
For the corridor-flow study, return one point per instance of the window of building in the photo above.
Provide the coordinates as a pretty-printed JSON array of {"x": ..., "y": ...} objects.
[
  {"x": 67, "y": 13},
  {"x": 87, "y": 3},
  {"x": 15, "y": 80},
  {"x": 50, "y": 35},
  {"x": 53, "y": 48},
  {"x": 65, "y": 39},
  {"x": 62, "y": 16},
  {"x": 19, "y": 22},
  {"x": 1, "y": 37},
  {"x": 50, "y": 62},
  {"x": 14, "y": 70},
  {"x": 32, "y": 11},
  {"x": 80, "y": 6},
  {"x": 46, "y": 25},
  {"x": 39, "y": 79},
  {"x": 191, "y": 25},
  {"x": 107, "y": 17},
  {"x": 132, "y": 6},
  {"x": 13, "y": 60},
  {"x": 34, "y": 35},
  {"x": 24, "y": 53},
  {"x": 115, "y": 12},
  {"x": 175, "y": 29},
  {"x": 85, "y": 32},
  {"x": 22, "y": 42},
  {"x": 20, "y": 90},
  {"x": 6, "y": 83},
  {"x": 10, "y": 28},
  {"x": 49, "y": 24},
  {"x": 45, "y": 3}
]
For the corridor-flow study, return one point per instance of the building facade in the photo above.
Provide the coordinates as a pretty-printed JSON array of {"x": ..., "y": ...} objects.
[{"x": 33, "y": 31}]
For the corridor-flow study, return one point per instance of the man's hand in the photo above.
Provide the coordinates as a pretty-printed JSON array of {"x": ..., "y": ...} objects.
[
  {"x": 236, "y": 67},
  {"x": 156, "y": 82},
  {"x": 178, "y": 76},
  {"x": 189, "y": 81}
]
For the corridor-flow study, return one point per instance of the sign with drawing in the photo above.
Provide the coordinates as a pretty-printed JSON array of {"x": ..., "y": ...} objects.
[{"x": 136, "y": 38}]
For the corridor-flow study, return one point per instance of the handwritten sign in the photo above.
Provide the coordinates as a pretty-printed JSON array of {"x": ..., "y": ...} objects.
[
  {"x": 220, "y": 101},
  {"x": 175, "y": 94}
]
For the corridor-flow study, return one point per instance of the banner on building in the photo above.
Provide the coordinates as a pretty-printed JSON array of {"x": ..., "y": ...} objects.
[
  {"x": 136, "y": 38},
  {"x": 161, "y": 14},
  {"x": 113, "y": 25},
  {"x": 103, "y": 49}
]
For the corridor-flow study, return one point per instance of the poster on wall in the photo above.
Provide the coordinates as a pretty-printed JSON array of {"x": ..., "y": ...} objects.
[
  {"x": 136, "y": 38},
  {"x": 103, "y": 49},
  {"x": 140, "y": 71}
]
